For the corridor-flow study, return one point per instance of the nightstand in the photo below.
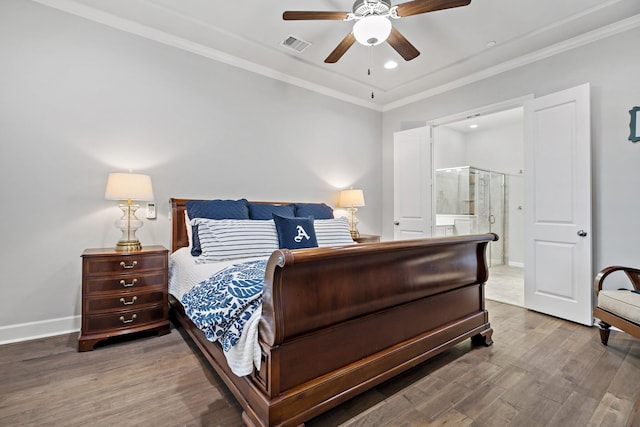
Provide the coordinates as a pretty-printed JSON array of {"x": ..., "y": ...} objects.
[
  {"x": 367, "y": 238},
  {"x": 123, "y": 293}
]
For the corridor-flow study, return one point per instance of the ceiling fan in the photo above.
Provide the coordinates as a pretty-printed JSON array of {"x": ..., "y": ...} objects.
[{"x": 372, "y": 25}]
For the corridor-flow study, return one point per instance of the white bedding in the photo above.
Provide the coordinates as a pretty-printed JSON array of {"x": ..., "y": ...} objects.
[{"x": 184, "y": 274}]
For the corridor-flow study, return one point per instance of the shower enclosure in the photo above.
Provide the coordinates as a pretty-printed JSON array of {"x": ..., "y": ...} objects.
[{"x": 470, "y": 201}]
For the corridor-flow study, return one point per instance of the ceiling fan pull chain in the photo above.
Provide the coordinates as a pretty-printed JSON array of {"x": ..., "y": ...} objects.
[{"x": 370, "y": 64}]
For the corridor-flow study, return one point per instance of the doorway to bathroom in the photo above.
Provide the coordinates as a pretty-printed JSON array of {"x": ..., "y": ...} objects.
[
  {"x": 470, "y": 200},
  {"x": 479, "y": 188}
]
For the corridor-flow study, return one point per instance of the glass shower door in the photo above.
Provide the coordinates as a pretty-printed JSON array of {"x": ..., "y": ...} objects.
[
  {"x": 474, "y": 201},
  {"x": 489, "y": 188}
]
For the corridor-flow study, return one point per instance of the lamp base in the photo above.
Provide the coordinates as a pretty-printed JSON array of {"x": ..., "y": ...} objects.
[
  {"x": 128, "y": 246},
  {"x": 353, "y": 222},
  {"x": 128, "y": 225}
]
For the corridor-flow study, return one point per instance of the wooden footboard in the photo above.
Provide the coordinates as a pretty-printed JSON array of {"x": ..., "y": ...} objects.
[{"x": 338, "y": 321}]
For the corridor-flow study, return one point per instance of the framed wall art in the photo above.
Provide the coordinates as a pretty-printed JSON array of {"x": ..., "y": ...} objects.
[{"x": 634, "y": 124}]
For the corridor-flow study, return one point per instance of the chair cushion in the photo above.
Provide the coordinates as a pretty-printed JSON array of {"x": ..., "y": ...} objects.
[{"x": 624, "y": 303}]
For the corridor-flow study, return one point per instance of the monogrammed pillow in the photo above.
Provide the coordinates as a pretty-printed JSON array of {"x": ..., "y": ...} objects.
[{"x": 295, "y": 232}]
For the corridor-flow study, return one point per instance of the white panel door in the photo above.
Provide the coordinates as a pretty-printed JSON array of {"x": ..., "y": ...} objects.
[
  {"x": 558, "y": 265},
  {"x": 412, "y": 181}
]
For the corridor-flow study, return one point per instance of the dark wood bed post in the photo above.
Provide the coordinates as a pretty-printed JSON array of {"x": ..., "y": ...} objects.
[{"x": 179, "y": 238}]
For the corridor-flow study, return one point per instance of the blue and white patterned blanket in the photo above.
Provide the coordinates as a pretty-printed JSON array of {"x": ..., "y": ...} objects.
[{"x": 221, "y": 305}]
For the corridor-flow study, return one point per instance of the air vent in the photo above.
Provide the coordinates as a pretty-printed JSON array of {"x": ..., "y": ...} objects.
[{"x": 295, "y": 43}]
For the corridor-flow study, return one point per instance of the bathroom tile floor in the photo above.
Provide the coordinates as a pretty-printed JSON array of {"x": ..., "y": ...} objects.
[{"x": 506, "y": 284}]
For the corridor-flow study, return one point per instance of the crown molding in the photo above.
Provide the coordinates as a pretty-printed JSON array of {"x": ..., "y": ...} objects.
[
  {"x": 572, "y": 43},
  {"x": 163, "y": 37}
]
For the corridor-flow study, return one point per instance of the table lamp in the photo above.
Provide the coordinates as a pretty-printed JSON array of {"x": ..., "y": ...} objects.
[
  {"x": 352, "y": 200},
  {"x": 128, "y": 187}
]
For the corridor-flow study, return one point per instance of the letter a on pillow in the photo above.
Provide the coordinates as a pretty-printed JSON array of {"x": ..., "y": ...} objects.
[{"x": 295, "y": 232}]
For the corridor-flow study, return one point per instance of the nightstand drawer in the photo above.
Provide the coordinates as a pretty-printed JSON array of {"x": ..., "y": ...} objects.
[
  {"x": 126, "y": 319},
  {"x": 125, "y": 264},
  {"x": 124, "y": 301},
  {"x": 125, "y": 282}
]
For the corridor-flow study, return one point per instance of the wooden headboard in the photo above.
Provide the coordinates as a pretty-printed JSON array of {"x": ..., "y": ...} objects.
[{"x": 179, "y": 238}]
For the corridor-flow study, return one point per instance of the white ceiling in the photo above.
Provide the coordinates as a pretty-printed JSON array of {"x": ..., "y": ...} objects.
[{"x": 453, "y": 42}]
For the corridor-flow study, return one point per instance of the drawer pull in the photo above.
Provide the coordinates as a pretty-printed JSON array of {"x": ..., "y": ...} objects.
[
  {"x": 122, "y": 319},
  {"x": 133, "y": 301},
  {"x": 124, "y": 264},
  {"x": 128, "y": 285}
]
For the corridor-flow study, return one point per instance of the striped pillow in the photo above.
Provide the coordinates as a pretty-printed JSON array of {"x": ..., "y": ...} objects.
[
  {"x": 332, "y": 232},
  {"x": 235, "y": 238}
]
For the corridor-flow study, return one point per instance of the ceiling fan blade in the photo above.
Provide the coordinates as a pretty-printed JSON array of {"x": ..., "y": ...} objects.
[
  {"x": 416, "y": 7},
  {"x": 340, "y": 50},
  {"x": 304, "y": 15},
  {"x": 402, "y": 45}
]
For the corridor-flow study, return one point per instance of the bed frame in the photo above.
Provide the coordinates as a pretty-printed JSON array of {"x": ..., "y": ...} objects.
[{"x": 338, "y": 321}]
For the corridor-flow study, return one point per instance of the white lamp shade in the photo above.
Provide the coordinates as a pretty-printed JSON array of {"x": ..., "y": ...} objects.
[
  {"x": 351, "y": 198},
  {"x": 372, "y": 30},
  {"x": 128, "y": 186}
]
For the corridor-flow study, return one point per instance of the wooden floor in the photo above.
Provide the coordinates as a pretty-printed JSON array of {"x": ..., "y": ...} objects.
[{"x": 541, "y": 371}]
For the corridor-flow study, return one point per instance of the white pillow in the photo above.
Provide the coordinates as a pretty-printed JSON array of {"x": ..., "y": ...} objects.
[
  {"x": 224, "y": 239},
  {"x": 187, "y": 224},
  {"x": 332, "y": 232}
]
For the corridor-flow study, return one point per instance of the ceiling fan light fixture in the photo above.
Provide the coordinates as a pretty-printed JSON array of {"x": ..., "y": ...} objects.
[{"x": 372, "y": 30}]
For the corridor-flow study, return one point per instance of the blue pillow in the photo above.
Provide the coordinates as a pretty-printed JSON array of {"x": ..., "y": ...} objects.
[
  {"x": 214, "y": 209},
  {"x": 316, "y": 210},
  {"x": 266, "y": 211},
  {"x": 295, "y": 232}
]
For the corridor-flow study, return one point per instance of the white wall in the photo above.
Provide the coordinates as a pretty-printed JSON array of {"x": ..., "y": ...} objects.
[
  {"x": 79, "y": 100},
  {"x": 499, "y": 149},
  {"x": 449, "y": 148},
  {"x": 612, "y": 69},
  {"x": 515, "y": 220}
]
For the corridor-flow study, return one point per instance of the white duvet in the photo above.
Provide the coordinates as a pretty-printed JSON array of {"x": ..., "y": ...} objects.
[{"x": 184, "y": 274}]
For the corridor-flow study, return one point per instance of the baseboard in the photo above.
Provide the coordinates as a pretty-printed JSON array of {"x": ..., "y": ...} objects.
[
  {"x": 516, "y": 264},
  {"x": 42, "y": 329}
]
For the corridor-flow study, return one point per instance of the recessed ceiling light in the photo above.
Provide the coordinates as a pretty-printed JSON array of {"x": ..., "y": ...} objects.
[
  {"x": 390, "y": 65},
  {"x": 473, "y": 126},
  {"x": 491, "y": 43}
]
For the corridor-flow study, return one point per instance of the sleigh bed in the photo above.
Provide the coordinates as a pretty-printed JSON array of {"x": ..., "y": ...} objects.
[{"x": 336, "y": 321}]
